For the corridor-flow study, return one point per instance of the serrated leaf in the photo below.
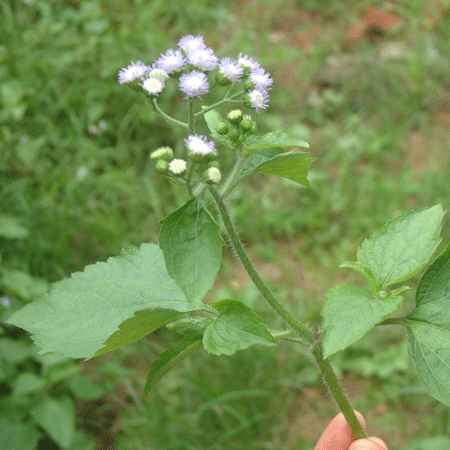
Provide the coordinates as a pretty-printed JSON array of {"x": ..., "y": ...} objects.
[
  {"x": 170, "y": 358},
  {"x": 78, "y": 315},
  {"x": 293, "y": 166},
  {"x": 273, "y": 139},
  {"x": 428, "y": 329},
  {"x": 236, "y": 327},
  {"x": 136, "y": 327},
  {"x": 192, "y": 247},
  {"x": 402, "y": 247},
  {"x": 57, "y": 417},
  {"x": 349, "y": 312}
]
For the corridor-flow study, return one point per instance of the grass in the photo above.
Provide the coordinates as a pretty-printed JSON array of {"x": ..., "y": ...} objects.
[{"x": 74, "y": 171}]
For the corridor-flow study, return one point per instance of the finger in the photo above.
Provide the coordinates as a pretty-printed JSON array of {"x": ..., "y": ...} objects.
[
  {"x": 372, "y": 443},
  {"x": 338, "y": 435}
]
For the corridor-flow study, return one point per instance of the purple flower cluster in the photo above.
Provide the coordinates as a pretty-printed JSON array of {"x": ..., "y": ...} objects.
[{"x": 191, "y": 63}]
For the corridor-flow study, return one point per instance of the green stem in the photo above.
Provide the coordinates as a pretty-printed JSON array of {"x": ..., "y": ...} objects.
[
  {"x": 338, "y": 392},
  {"x": 166, "y": 117},
  {"x": 303, "y": 331},
  {"x": 230, "y": 183},
  {"x": 191, "y": 126},
  {"x": 225, "y": 100}
]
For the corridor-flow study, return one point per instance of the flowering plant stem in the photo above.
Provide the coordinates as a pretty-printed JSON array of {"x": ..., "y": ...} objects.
[{"x": 305, "y": 333}]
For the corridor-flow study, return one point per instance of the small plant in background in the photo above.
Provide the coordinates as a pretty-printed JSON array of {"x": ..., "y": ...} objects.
[{"x": 115, "y": 303}]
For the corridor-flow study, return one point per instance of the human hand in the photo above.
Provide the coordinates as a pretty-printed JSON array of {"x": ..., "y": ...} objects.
[{"x": 338, "y": 436}]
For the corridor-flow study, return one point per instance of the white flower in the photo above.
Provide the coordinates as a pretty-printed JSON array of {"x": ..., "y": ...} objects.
[
  {"x": 153, "y": 85},
  {"x": 177, "y": 166},
  {"x": 132, "y": 72},
  {"x": 199, "y": 145}
]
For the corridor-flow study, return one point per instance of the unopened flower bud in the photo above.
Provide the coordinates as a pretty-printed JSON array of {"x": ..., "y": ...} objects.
[
  {"x": 211, "y": 156},
  {"x": 214, "y": 163},
  {"x": 221, "y": 79},
  {"x": 246, "y": 123},
  {"x": 235, "y": 116},
  {"x": 212, "y": 175},
  {"x": 234, "y": 134},
  {"x": 249, "y": 85},
  {"x": 165, "y": 153},
  {"x": 222, "y": 127},
  {"x": 162, "y": 166}
]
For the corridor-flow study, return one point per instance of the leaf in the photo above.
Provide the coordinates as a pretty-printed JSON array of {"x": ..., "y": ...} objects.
[
  {"x": 236, "y": 327},
  {"x": 428, "y": 329},
  {"x": 192, "y": 247},
  {"x": 292, "y": 165},
  {"x": 170, "y": 358},
  {"x": 136, "y": 327},
  {"x": 402, "y": 247},
  {"x": 212, "y": 118},
  {"x": 273, "y": 139},
  {"x": 80, "y": 313},
  {"x": 258, "y": 158},
  {"x": 349, "y": 312},
  {"x": 23, "y": 436},
  {"x": 27, "y": 383},
  {"x": 11, "y": 228},
  {"x": 57, "y": 417}
]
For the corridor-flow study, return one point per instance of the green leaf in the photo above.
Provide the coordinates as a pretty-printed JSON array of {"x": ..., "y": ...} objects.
[
  {"x": 428, "y": 329},
  {"x": 212, "y": 118},
  {"x": 27, "y": 383},
  {"x": 273, "y": 139},
  {"x": 11, "y": 227},
  {"x": 368, "y": 275},
  {"x": 84, "y": 388},
  {"x": 349, "y": 312},
  {"x": 236, "y": 327},
  {"x": 57, "y": 417},
  {"x": 192, "y": 247},
  {"x": 402, "y": 247},
  {"x": 170, "y": 358},
  {"x": 136, "y": 327},
  {"x": 20, "y": 436},
  {"x": 78, "y": 315},
  {"x": 292, "y": 165}
]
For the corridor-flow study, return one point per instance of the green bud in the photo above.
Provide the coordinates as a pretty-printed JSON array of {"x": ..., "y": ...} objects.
[
  {"x": 222, "y": 127},
  {"x": 234, "y": 134},
  {"x": 165, "y": 153},
  {"x": 211, "y": 156},
  {"x": 196, "y": 157},
  {"x": 253, "y": 129},
  {"x": 162, "y": 166},
  {"x": 235, "y": 116},
  {"x": 214, "y": 163},
  {"x": 247, "y": 103},
  {"x": 221, "y": 79},
  {"x": 249, "y": 85},
  {"x": 246, "y": 123}
]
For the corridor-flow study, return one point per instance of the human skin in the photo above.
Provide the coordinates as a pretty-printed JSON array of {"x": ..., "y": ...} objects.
[{"x": 338, "y": 436}]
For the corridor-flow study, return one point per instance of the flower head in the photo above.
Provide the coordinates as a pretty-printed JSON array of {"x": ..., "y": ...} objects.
[
  {"x": 177, "y": 166},
  {"x": 191, "y": 43},
  {"x": 203, "y": 59},
  {"x": 194, "y": 84},
  {"x": 247, "y": 62},
  {"x": 155, "y": 72},
  {"x": 133, "y": 72},
  {"x": 171, "y": 61},
  {"x": 258, "y": 99},
  {"x": 199, "y": 145},
  {"x": 153, "y": 85},
  {"x": 261, "y": 79},
  {"x": 231, "y": 69},
  {"x": 213, "y": 175}
]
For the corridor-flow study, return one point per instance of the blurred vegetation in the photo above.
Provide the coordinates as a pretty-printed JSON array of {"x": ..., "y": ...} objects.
[{"x": 367, "y": 83}]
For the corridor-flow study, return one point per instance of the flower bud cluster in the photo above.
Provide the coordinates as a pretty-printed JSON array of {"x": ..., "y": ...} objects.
[
  {"x": 236, "y": 127},
  {"x": 197, "y": 68}
]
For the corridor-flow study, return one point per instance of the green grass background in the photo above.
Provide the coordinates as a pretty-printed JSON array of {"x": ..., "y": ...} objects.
[{"x": 75, "y": 177}]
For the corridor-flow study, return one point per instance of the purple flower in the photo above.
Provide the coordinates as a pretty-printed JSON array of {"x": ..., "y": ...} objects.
[
  {"x": 247, "y": 63},
  {"x": 191, "y": 43},
  {"x": 199, "y": 145},
  {"x": 231, "y": 69},
  {"x": 171, "y": 61},
  {"x": 261, "y": 79},
  {"x": 259, "y": 99},
  {"x": 132, "y": 72},
  {"x": 194, "y": 84},
  {"x": 203, "y": 59}
]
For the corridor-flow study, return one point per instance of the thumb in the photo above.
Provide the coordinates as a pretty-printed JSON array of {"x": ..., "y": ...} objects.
[{"x": 372, "y": 443}]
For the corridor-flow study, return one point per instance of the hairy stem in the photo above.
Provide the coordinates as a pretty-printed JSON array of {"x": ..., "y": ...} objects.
[
  {"x": 337, "y": 391},
  {"x": 303, "y": 331}
]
